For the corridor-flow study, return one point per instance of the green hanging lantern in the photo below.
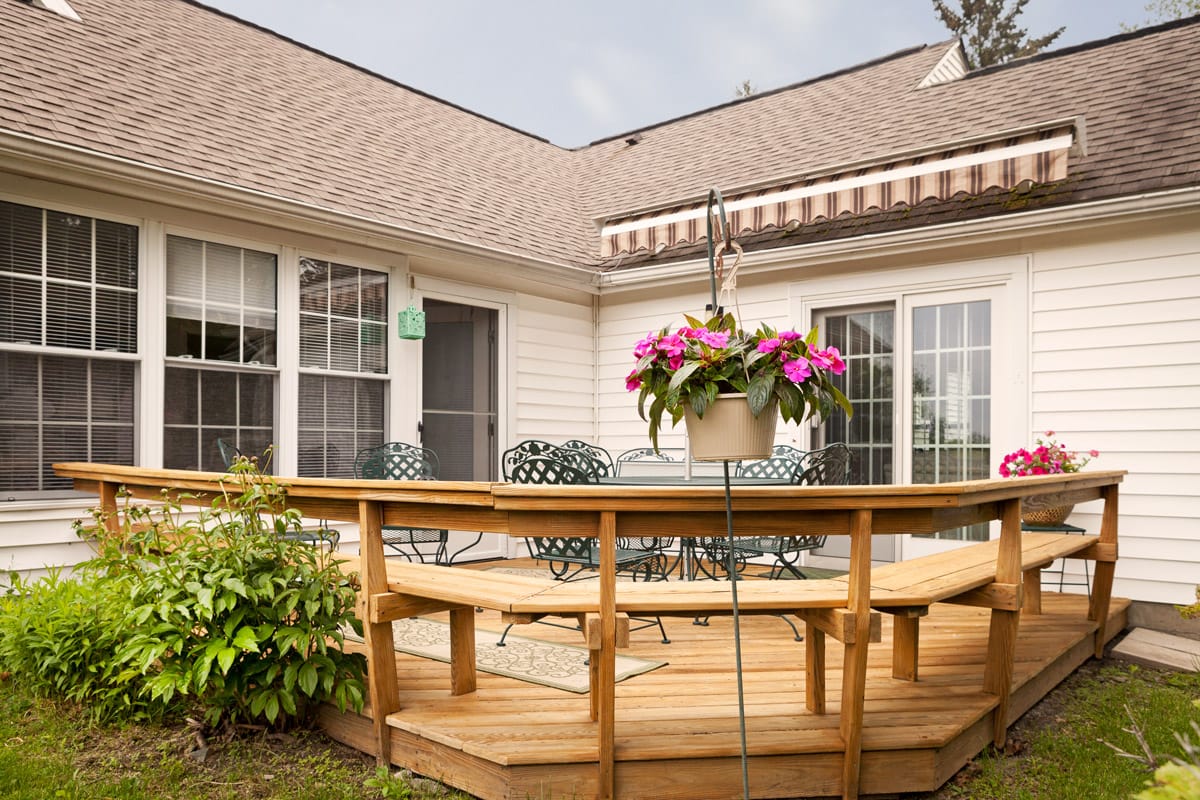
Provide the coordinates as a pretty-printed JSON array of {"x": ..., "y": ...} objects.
[{"x": 411, "y": 323}]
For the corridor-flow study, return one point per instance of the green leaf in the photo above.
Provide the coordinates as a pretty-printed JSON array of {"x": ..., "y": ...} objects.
[
  {"x": 246, "y": 639},
  {"x": 235, "y": 585},
  {"x": 226, "y": 657},
  {"x": 759, "y": 393},
  {"x": 308, "y": 678}
]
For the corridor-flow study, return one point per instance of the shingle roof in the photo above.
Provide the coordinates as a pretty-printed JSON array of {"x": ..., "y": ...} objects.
[{"x": 180, "y": 86}]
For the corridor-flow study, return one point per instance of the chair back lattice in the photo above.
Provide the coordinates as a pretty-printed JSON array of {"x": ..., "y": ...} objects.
[
  {"x": 546, "y": 469},
  {"x": 536, "y": 448},
  {"x": 829, "y": 466},
  {"x": 600, "y": 457},
  {"x": 778, "y": 467},
  {"x": 650, "y": 454},
  {"x": 396, "y": 461}
]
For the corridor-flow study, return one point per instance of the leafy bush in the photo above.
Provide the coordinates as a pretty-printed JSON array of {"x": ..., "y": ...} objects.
[
  {"x": 59, "y": 638},
  {"x": 231, "y": 608}
]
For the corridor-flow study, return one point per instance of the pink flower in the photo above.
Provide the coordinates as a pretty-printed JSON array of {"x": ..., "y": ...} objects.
[
  {"x": 672, "y": 345},
  {"x": 1093, "y": 453},
  {"x": 675, "y": 361},
  {"x": 829, "y": 359},
  {"x": 632, "y": 381},
  {"x": 717, "y": 339},
  {"x": 797, "y": 370},
  {"x": 646, "y": 346},
  {"x": 789, "y": 336},
  {"x": 768, "y": 345}
]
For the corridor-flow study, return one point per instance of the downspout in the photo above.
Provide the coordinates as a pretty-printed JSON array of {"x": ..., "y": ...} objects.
[{"x": 596, "y": 368}]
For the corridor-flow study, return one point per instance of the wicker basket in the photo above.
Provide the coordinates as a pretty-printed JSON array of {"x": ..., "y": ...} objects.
[{"x": 1052, "y": 515}]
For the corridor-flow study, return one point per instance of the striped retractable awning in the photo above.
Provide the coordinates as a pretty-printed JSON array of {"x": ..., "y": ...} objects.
[{"x": 1039, "y": 156}]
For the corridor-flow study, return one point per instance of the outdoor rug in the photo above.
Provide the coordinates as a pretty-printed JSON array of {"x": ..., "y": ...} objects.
[{"x": 560, "y": 666}]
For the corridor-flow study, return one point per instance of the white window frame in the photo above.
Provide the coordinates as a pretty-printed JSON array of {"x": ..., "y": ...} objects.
[
  {"x": 1008, "y": 277},
  {"x": 162, "y": 360},
  {"x": 69, "y": 498}
]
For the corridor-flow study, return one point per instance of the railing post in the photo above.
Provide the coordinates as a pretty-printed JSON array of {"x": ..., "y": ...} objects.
[
  {"x": 1102, "y": 580},
  {"x": 381, "y": 654},
  {"x": 854, "y": 664},
  {"x": 606, "y": 706},
  {"x": 1002, "y": 637}
]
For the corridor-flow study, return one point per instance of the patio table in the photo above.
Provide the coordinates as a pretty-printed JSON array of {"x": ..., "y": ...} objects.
[{"x": 606, "y": 512}]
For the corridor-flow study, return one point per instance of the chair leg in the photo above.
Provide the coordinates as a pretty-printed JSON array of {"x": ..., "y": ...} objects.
[{"x": 795, "y": 633}]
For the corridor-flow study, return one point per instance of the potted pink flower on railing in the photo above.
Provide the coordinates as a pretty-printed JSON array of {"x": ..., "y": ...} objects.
[
  {"x": 1048, "y": 458},
  {"x": 699, "y": 370}
]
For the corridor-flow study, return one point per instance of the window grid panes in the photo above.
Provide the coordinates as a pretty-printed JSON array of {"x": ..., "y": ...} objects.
[
  {"x": 866, "y": 341},
  {"x": 338, "y": 417},
  {"x": 951, "y": 387},
  {"x": 203, "y": 405},
  {"x": 66, "y": 281},
  {"x": 343, "y": 328},
  {"x": 220, "y": 302},
  {"x": 343, "y": 317}
]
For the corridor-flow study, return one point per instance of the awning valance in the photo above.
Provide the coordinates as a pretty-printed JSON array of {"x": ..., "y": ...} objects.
[{"x": 1039, "y": 156}]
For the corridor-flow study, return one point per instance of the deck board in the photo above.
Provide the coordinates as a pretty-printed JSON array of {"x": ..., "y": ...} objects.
[{"x": 511, "y": 739}]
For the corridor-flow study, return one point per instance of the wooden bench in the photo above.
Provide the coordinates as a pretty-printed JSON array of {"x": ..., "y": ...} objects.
[
  {"x": 967, "y": 576},
  {"x": 415, "y": 589}
]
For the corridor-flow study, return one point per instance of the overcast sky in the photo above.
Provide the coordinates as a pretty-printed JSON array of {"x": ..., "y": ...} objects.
[{"x": 574, "y": 71}]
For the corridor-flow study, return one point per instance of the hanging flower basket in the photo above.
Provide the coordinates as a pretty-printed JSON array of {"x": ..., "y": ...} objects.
[{"x": 729, "y": 431}]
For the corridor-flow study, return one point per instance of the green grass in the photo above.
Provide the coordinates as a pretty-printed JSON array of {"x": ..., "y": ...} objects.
[
  {"x": 1058, "y": 749},
  {"x": 50, "y": 751}
]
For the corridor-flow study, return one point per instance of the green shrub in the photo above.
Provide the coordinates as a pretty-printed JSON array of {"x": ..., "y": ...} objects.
[
  {"x": 59, "y": 638},
  {"x": 229, "y": 610}
]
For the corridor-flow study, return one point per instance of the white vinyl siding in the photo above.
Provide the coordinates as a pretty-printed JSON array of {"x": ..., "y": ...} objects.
[
  {"x": 1114, "y": 367},
  {"x": 554, "y": 373}
]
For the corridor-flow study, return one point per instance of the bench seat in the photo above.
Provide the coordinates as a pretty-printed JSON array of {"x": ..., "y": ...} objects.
[
  {"x": 415, "y": 589},
  {"x": 965, "y": 575}
]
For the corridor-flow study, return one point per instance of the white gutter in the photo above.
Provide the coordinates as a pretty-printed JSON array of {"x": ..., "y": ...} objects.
[
  {"x": 56, "y": 155},
  {"x": 893, "y": 242}
]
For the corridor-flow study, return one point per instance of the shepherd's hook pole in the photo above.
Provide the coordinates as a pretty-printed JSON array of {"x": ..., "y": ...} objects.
[{"x": 714, "y": 194}]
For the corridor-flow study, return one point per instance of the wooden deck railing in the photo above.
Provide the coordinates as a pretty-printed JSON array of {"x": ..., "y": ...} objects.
[{"x": 608, "y": 512}]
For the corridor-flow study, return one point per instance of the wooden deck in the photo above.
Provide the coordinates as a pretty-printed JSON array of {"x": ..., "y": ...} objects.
[{"x": 677, "y": 733}]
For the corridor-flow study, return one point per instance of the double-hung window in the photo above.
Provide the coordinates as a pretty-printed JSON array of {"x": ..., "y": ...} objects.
[
  {"x": 220, "y": 345},
  {"x": 343, "y": 365},
  {"x": 68, "y": 345}
]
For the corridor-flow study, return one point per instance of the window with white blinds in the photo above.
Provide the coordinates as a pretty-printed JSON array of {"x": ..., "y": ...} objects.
[
  {"x": 221, "y": 302},
  {"x": 343, "y": 329},
  {"x": 66, "y": 281}
]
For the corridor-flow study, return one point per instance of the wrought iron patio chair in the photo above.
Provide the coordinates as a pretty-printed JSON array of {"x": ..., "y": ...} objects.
[
  {"x": 400, "y": 461},
  {"x": 829, "y": 466},
  {"x": 600, "y": 457},
  {"x": 570, "y": 557}
]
